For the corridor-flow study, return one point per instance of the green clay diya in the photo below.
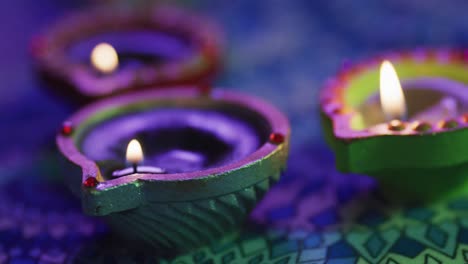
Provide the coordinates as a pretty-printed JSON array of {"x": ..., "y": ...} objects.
[
  {"x": 196, "y": 165},
  {"x": 418, "y": 153}
]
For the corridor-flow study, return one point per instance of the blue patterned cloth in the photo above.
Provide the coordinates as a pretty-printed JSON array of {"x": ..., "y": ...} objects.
[{"x": 280, "y": 50}]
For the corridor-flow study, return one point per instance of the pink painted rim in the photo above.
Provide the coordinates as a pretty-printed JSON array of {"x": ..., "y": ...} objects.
[
  {"x": 48, "y": 49},
  {"x": 277, "y": 121},
  {"x": 333, "y": 107}
]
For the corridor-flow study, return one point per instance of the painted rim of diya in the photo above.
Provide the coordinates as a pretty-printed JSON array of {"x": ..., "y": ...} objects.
[
  {"x": 404, "y": 146},
  {"x": 49, "y": 49},
  {"x": 102, "y": 197}
]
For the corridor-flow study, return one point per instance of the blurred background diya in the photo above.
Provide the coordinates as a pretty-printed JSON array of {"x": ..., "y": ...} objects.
[
  {"x": 100, "y": 52},
  {"x": 174, "y": 168},
  {"x": 414, "y": 140}
]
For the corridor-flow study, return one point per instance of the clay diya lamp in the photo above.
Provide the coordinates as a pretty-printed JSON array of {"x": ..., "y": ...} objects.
[
  {"x": 413, "y": 140},
  {"x": 101, "y": 52},
  {"x": 174, "y": 168}
]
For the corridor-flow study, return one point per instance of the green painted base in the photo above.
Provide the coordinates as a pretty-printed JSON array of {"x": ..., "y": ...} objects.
[
  {"x": 400, "y": 185},
  {"x": 416, "y": 186},
  {"x": 173, "y": 228}
]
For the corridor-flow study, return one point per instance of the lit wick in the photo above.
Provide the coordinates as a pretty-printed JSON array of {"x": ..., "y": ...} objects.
[
  {"x": 392, "y": 98},
  {"x": 134, "y": 157},
  {"x": 134, "y": 154},
  {"x": 104, "y": 58}
]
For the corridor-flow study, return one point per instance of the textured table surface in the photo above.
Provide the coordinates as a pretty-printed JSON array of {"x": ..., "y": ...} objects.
[{"x": 280, "y": 50}]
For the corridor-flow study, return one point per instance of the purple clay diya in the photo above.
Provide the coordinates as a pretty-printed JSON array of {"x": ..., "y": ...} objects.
[
  {"x": 101, "y": 52},
  {"x": 413, "y": 140},
  {"x": 174, "y": 168}
]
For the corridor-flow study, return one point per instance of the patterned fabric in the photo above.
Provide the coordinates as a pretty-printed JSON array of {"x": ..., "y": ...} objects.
[{"x": 277, "y": 49}]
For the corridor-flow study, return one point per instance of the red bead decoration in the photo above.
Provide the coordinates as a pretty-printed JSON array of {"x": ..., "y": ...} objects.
[
  {"x": 339, "y": 111},
  {"x": 276, "y": 138},
  {"x": 396, "y": 125},
  {"x": 90, "y": 182},
  {"x": 67, "y": 128},
  {"x": 211, "y": 48},
  {"x": 449, "y": 124},
  {"x": 37, "y": 46},
  {"x": 465, "y": 118},
  {"x": 465, "y": 55},
  {"x": 423, "y": 127},
  {"x": 205, "y": 89}
]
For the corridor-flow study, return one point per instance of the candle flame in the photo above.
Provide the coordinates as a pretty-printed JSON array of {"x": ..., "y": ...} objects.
[
  {"x": 104, "y": 58},
  {"x": 134, "y": 152},
  {"x": 392, "y": 98}
]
